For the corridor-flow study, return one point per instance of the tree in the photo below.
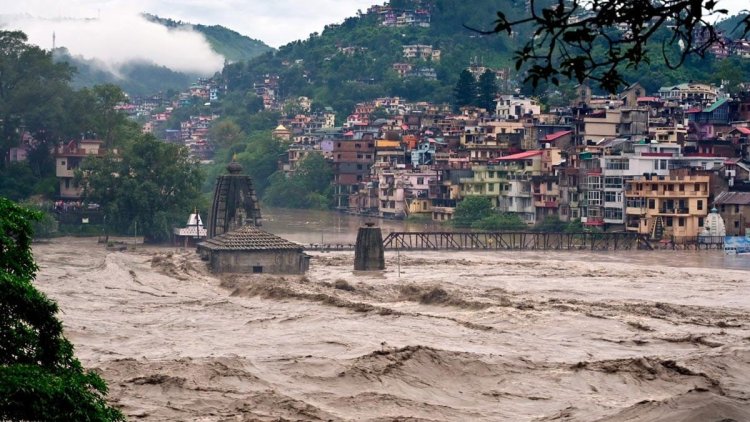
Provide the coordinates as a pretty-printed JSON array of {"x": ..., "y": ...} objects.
[
  {"x": 504, "y": 221},
  {"x": 40, "y": 378},
  {"x": 151, "y": 184},
  {"x": 487, "y": 88},
  {"x": 260, "y": 158},
  {"x": 309, "y": 186},
  {"x": 582, "y": 39},
  {"x": 226, "y": 133},
  {"x": 471, "y": 209},
  {"x": 465, "y": 92},
  {"x": 32, "y": 88},
  {"x": 551, "y": 224},
  {"x": 106, "y": 118}
]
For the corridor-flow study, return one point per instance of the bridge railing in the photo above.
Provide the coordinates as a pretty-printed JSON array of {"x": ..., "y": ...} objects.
[{"x": 513, "y": 240}]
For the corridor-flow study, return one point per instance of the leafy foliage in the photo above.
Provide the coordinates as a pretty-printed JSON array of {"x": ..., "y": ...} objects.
[
  {"x": 466, "y": 90},
  {"x": 500, "y": 222},
  {"x": 593, "y": 40},
  {"x": 487, "y": 90},
  {"x": 470, "y": 210},
  {"x": 150, "y": 183},
  {"x": 309, "y": 187},
  {"x": 40, "y": 378}
]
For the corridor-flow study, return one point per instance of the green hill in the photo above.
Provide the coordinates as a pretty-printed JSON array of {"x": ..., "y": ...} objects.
[
  {"x": 232, "y": 45},
  {"x": 353, "y": 61},
  {"x": 135, "y": 78}
]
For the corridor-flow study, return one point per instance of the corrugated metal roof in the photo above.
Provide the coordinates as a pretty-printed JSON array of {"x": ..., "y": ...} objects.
[
  {"x": 556, "y": 135},
  {"x": 520, "y": 156},
  {"x": 716, "y": 105},
  {"x": 733, "y": 198},
  {"x": 248, "y": 238}
]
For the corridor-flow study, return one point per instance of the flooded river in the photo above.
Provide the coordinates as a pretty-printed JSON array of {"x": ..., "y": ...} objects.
[{"x": 437, "y": 336}]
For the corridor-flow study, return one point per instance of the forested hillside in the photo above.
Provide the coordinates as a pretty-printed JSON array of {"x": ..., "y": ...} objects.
[
  {"x": 230, "y": 44},
  {"x": 144, "y": 78},
  {"x": 135, "y": 78},
  {"x": 354, "y": 61}
]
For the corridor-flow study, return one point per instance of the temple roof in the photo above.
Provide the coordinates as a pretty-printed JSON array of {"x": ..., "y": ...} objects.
[{"x": 248, "y": 238}]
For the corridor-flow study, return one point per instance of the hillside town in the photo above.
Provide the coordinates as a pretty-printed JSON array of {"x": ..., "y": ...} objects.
[{"x": 654, "y": 163}]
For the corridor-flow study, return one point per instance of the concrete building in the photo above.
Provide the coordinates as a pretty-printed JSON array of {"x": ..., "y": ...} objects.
[
  {"x": 68, "y": 158},
  {"x": 734, "y": 208},
  {"x": 663, "y": 206}
]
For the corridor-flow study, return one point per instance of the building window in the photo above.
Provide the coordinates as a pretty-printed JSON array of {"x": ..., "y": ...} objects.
[
  {"x": 700, "y": 221},
  {"x": 700, "y": 205},
  {"x": 669, "y": 221},
  {"x": 613, "y": 182},
  {"x": 736, "y": 209},
  {"x": 681, "y": 221},
  {"x": 617, "y": 164},
  {"x": 594, "y": 198},
  {"x": 651, "y": 204},
  {"x": 420, "y": 180},
  {"x": 736, "y": 224}
]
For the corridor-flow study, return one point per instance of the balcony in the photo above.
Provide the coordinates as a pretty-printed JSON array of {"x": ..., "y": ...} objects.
[
  {"x": 636, "y": 210},
  {"x": 674, "y": 211},
  {"x": 666, "y": 194},
  {"x": 546, "y": 204}
]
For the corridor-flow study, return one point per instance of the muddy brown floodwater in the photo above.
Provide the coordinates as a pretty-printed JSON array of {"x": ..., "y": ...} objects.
[{"x": 458, "y": 336}]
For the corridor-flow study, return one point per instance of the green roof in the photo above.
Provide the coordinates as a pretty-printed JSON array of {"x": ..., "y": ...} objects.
[{"x": 716, "y": 105}]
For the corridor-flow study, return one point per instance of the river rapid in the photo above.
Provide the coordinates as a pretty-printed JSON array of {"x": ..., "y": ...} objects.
[{"x": 444, "y": 335}]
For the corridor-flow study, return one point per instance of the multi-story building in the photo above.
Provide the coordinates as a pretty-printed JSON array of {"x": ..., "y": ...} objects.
[
  {"x": 664, "y": 206},
  {"x": 68, "y": 158},
  {"x": 403, "y": 192},
  {"x": 690, "y": 93},
  {"x": 352, "y": 157}
]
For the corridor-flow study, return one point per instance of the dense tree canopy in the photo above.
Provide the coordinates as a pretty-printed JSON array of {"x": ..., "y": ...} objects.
[
  {"x": 470, "y": 210},
  {"x": 38, "y": 104},
  {"x": 487, "y": 90},
  {"x": 309, "y": 186},
  {"x": 151, "y": 184},
  {"x": 40, "y": 378},
  {"x": 465, "y": 92}
]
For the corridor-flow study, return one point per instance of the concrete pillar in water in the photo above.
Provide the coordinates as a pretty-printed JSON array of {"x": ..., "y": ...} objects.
[{"x": 368, "y": 253}]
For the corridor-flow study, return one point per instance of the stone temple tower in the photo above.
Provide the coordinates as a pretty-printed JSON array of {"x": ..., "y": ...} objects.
[{"x": 234, "y": 204}]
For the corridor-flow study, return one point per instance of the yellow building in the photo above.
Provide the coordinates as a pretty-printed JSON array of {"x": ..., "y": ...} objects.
[{"x": 664, "y": 206}]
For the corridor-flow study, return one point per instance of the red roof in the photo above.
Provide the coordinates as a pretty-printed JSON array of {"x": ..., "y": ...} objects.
[
  {"x": 744, "y": 130},
  {"x": 656, "y": 154},
  {"x": 694, "y": 110},
  {"x": 519, "y": 156},
  {"x": 648, "y": 99},
  {"x": 554, "y": 136}
]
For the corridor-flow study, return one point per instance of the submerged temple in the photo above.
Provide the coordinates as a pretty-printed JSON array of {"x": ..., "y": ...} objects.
[
  {"x": 235, "y": 243},
  {"x": 234, "y": 204}
]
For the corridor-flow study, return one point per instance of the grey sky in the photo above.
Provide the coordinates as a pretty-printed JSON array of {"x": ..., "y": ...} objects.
[
  {"x": 276, "y": 22},
  {"x": 113, "y": 32}
]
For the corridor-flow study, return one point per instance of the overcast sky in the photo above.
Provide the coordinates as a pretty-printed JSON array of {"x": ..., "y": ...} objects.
[
  {"x": 111, "y": 30},
  {"x": 275, "y": 22}
]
